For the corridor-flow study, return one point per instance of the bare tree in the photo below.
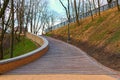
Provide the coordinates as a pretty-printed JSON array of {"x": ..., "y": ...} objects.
[
  {"x": 20, "y": 18},
  {"x": 2, "y": 10},
  {"x": 12, "y": 29},
  {"x": 67, "y": 10},
  {"x": 27, "y": 17},
  {"x": 77, "y": 10},
  {"x": 23, "y": 15},
  {"x": 109, "y": 3},
  {"x": 2, "y": 38},
  {"x": 73, "y": 9},
  {"x": 99, "y": 7},
  {"x": 83, "y": 7},
  {"x": 118, "y": 6},
  {"x": 39, "y": 16},
  {"x": 94, "y": 4},
  {"x": 4, "y": 26},
  {"x": 90, "y": 6}
]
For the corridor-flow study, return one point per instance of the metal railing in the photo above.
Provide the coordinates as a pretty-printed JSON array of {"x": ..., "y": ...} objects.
[{"x": 83, "y": 15}]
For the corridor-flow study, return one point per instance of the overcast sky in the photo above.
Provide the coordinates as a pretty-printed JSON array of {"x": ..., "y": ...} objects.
[{"x": 56, "y": 6}]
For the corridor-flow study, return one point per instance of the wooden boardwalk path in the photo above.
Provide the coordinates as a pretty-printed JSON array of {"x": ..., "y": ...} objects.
[{"x": 63, "y": 58}]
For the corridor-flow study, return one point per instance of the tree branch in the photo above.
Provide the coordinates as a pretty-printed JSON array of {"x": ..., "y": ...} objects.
[{"x": 2, "y": 11}]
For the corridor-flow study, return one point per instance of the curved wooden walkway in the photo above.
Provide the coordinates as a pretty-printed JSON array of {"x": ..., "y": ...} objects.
[{"x": 63, "y": 58}]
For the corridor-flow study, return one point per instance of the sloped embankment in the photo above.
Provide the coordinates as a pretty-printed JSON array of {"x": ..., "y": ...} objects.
[{"x": 100, "y": 38}]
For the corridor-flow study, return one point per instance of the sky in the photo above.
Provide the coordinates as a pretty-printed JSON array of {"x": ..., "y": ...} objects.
[{"x": 56, "y": 6}]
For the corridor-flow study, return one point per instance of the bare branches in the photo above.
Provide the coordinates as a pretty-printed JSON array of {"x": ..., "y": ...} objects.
[
  {"x": 67, "y": 9},
  {"x": 2, "y": 10},
  {"x": 77, "y": 11}
]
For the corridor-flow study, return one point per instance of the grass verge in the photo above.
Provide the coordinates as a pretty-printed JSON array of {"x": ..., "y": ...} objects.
[{"x": 22, "y": 47}]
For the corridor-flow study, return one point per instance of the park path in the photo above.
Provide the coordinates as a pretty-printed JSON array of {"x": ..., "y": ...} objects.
[{"x": 63, "y": 58}]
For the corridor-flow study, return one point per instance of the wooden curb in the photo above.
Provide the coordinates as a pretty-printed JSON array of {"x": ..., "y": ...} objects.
[{"x": 13, "y": 63}]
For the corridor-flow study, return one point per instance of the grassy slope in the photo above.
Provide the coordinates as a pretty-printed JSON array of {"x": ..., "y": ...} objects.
[
  {"x": 100, "y": 38},
  {"x": 26, "y": 45}
]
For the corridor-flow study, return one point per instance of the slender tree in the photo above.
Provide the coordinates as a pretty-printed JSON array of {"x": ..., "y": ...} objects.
[
  {"x": 4, "y": 26},
  {"x": 99, "y": 7},
  {"x": 109, "y": 3},
  {"x": 95, "y": 7},
  {"x": 77, "y": 11},
  {"x": 90, "y": 6},
  {"x": 83, "y": 7},
  {"x": 73, "y": 10},
  {"x": 118, "y": 6},
  {"x": 67, "y": 10},
  {"x": 12, "y": 29},
  {"x": 2, "y": 38},
  {"x": 2, "y": 10}
]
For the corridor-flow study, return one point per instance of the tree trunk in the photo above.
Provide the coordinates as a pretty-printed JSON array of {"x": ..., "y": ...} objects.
[
  {"x": 91, "y": 10},
  {"x": 73, "y": 10},
  {"x": 76, "y": 13},
  {"x": 99, "y": 7},
  {"x": 118, "y": 6},
  {"x": 94, "y": 7},
  {"x": 2, "y": 11},
  {"x": 83, "y": 7},
  {"x": 31, "y": 21},
  {"x": 109, "y": 3},
  {"x": 2, "y": 38},
  {"x": 12, "y": 31},
  {"x": 67, "y": 9}
]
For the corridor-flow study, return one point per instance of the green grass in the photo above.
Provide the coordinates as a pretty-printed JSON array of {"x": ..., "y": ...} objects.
[
  {"x": 48, "y": 34},
  {"x": 87, "y": 26},
  {"x": 115, "y": 37},
  {"x": 100, "y": 20},
  {"x": 22, "y": 47},
  {"x": 98, "y": 36}
]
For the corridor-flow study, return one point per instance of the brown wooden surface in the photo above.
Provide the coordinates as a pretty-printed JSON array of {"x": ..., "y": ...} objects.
[{"x": 63, "y": 58}]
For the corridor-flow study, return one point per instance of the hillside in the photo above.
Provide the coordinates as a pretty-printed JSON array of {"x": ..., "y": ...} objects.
[{"x": 100, "y": 38}]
